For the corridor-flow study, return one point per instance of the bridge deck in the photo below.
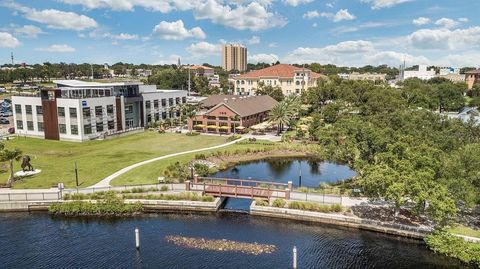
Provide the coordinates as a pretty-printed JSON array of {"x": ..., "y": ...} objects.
[{"x": 238, "y": 191}]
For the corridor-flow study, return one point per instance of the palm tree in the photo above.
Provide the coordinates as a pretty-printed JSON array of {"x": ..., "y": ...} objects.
[
  {"x": 10, "y": 155},
  {"x": 285, "y": 112},
  {"x": 235, "y": 119}
]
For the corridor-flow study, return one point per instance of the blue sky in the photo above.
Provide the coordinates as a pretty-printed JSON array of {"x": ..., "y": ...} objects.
[{"x": 342, "y": 32}]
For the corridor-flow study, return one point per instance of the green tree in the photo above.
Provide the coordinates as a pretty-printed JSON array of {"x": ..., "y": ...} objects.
[
  {"x": 273, "y": 91},
  {"x": 10, "y": 156}
]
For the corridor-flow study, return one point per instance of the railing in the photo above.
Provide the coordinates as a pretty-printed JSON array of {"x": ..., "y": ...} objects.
[
  {"x": 30, "y": 196},
  {"x": 316, "y": 197}
]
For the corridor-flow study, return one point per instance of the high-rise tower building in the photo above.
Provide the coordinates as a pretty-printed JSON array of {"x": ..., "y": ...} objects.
[{"x": 234, "y": 57}]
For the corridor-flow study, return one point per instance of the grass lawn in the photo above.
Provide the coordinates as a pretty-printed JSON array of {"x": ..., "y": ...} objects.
[
  {"x": 462, "y": 230},
  {"x": 96, "y": 159},
  {"x": 149, "y": 173}
]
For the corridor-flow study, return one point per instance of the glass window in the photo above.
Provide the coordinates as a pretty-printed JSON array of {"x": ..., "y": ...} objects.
[
  {"x": 147, "y": 104},
  {"x": 164, "y": 102},
  {"x": 111, "y": 125},
  {"x": 170, "y": 101},
  {"x": 62, "y": 128},
  {"x": 74, "y": 129},
  {"x": 98, "y": 111},
  {"x": 61, "y": 111},
  {"x": 87, "y": 129},
  {"x": 30, "y": 125},
  {"x": 39, "y": 110},
  {"x": 28, "y": 109},
  {"x": 20, "y": 124},
  {"x": 128, "y": 109},
  {"x": 73, "y": 112},
  {"x": 86, "y": 112},
  {"x": 100, "y": 126},
  {"x": 18, "y": 109},
  {"x": 40, "y": 126},
  {"x": 155, "y": 103},
  {"x": 110, "y": 109}
]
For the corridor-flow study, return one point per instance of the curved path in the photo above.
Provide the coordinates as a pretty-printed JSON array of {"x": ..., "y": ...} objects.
[{"x": 106, "y": 181}]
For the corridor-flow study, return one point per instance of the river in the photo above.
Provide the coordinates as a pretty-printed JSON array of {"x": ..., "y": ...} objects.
[{"x": 39, "y": 240}]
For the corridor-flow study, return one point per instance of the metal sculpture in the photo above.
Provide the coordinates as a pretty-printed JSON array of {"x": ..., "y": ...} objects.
[{"x": 26, "y": 166}]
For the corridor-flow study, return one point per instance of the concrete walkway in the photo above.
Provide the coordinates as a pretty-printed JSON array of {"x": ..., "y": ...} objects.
[{"x": 106, "y": 181}]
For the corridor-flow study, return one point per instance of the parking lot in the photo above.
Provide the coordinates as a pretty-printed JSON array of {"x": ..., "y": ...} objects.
[{"x": 5, "y": 108}]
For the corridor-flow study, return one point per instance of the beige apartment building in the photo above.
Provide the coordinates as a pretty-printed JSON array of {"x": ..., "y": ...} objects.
[
  {"x": 234, "y": 57},
  {"x": 368, "y": 76},
  {"x": 472, "y": 78},
  {"x": 291, "y": 79}
]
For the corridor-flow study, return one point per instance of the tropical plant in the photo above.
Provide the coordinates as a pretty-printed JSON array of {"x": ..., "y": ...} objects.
[
  {"x": 10, "y": 156},
  {"x": 285, "y": 112},
  {"x": 235, "y": 119}
]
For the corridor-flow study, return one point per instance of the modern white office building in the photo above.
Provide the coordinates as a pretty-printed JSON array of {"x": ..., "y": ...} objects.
[{"x": 79, "y": 111}]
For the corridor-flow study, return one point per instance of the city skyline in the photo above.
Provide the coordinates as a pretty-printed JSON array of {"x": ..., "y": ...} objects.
[{"x": 349, "y": 33}]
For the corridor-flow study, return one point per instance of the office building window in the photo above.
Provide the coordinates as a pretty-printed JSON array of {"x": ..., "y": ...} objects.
[
  {"x": 149, "y": 118},
  {"x": 28, "y": 109},
  {"x": 128, "y": 109},
  {"x": 155, "y": 104},
  {"x": 111, "y": 125},
  {"x": 20, "y": 124},
  {"x": 30, "y": 125},
  {"x": 99, "y": 127},
  {"x": 98, "y": 111},
  {"x": 73, "y": 112},
  {"x": 18, "y": 109},
  {"x": 74, "y": 129},
  {"x": 87, "y": 129},
  {"x": 170, "y": 101},
  {"x": 86, "y": 112},
  {"x": 39, "y": 110},
  {"x": 147, "y": 104},
  {"x": 164, "y": 102},
  {"x": 110, "y": 110},
  {"x": 157, "y": 116},
  {"x": 61, "y": 111},
  {"x": 40, "y": 126},
  {"x": 62, "y": 128}
]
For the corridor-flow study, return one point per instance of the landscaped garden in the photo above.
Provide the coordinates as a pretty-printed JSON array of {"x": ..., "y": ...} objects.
[{"x": 96, "y": 159}]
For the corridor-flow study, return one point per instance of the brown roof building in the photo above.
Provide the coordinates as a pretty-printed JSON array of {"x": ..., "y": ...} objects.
[
  {"x": 291, "y": 79},
  {"x": 226, "y": 113},
  {"x": 472, "y": 78}
]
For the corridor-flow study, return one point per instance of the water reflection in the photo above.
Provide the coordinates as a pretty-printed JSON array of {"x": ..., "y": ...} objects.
[{"x": 312, "y": 171}]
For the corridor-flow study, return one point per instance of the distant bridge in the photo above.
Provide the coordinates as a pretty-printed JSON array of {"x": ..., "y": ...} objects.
[{"x": 239, "y": 188}]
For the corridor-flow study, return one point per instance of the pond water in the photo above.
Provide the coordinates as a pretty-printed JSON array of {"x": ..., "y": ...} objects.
[
  {"x": 42, "y": 241},
  {"x": 282, "y": 170}
]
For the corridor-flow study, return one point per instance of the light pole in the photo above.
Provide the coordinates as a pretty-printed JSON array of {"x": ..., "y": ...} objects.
[
  {"x": 76, "y": 175},
  {"x": 300, "y": 174}
]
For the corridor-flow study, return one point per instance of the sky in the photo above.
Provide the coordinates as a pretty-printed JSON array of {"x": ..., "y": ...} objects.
[{"x": 340, "y": 32}]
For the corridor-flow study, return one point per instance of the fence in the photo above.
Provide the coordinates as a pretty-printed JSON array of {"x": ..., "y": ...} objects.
[
  {"x": 57, "y": 195},
  {"x": 316, "y": 197}
]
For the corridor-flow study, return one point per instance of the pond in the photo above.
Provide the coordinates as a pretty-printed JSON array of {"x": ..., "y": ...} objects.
[
  {"x": 42, "y": 241},
  {"x": 312, "y": 171}
]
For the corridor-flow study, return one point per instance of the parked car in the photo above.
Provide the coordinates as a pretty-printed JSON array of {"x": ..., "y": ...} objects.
[
  {"x": 4, "y": 121},
  {"x": 6, "y": 114}
]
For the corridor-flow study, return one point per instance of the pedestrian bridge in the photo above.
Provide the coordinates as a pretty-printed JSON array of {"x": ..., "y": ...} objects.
[{"x": 239, "y": 188}]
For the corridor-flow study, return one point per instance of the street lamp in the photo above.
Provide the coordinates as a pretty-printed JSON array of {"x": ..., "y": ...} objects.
[
  {"x": 76, "y": 175},
  {"x": 300, "y": 174}
]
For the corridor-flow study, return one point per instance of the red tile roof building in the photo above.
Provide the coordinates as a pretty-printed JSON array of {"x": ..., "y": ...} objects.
[{"x": 292, "y": 79}]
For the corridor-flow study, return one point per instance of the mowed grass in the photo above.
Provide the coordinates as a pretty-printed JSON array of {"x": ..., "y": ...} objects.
[
  {"x": 96, "y": 159},
  {"x": 463, "y": 230},
  {"x": 149, "y": 173}
]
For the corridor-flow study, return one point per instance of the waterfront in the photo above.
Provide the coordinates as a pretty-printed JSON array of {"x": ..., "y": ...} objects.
[
  {"x": 41, "y": 241},
  {"x": 314, "y": 172}
]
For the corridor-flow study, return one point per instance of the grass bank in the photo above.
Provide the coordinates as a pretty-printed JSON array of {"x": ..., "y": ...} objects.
[
  {"x": 97, "y": 159},
  {"x": 240, "y": 152}
]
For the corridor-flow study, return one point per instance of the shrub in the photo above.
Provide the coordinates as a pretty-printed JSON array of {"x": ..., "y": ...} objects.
[
  {"x": 309, "y": 206},
  {"x": 164, "y": 188},
  {"x": 279, "y": 203},
  {"x": 260, "y": 202},
  {"x": 456, "y": 247},
  {"x": 202, "y": 169},
  {"x": 234, "y": 137},
  {"x": 200, "y": 156},
  {"x": 112, "y": 206},
  {"x": 192, "y": 134}
]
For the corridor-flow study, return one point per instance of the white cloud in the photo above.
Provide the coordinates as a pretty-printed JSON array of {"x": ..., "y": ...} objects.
[
  {"x": 253, "y": 16},
  {"x": 57, "y": 48},
  {"x": 254, "y": 40},
  {"x": 421, "y": 21},
  {"x": 262, "y": 58},
  {"x": 465, "y": 20},
  {"x": 8, "y": 41},
  {"x": 315, "y": 24},
  {"x": 204, "y": 48},
  {"x": 295, "y": 3},
  {"x": 378, "y": 4},
  {"x": 176, "y": 31},
  {"x": 172, "y": 59},
  {"x": 29, "y": 31},
  {"x": 430, "y": 39},
  {"x": 330, "y": 5},
  {"x": 341, "y": 15},
  {"x": 311, "y": 14},
  {"x": 447, "y": 23},
  {"x": 163, "y": 6},
  {"x": 272, "y": 45},
  {"x": 125, "y": 36},
  {"x": 393, "y": 58},
  {"x": 55, "y": 19},
  {"x": 359, "y": 27}
]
